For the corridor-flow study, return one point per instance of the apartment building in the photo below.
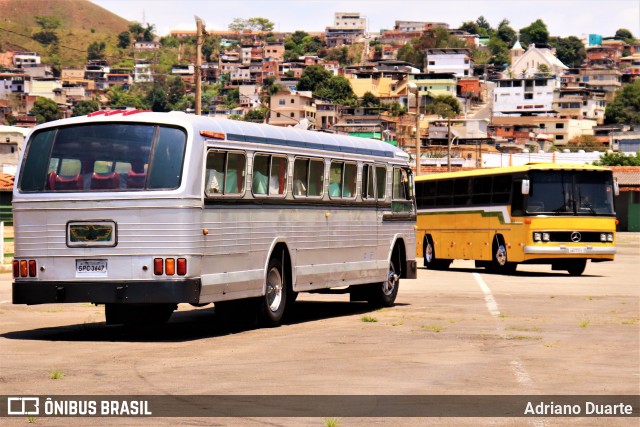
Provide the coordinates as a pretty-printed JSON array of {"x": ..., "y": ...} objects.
[
  {"x": 449, "y": 60},
  {"x": 347, "y": 28},
  {"x": 524, "y": 96},
  {"x": 580, "y": 103},
  {"x": 288, "y": 108}
]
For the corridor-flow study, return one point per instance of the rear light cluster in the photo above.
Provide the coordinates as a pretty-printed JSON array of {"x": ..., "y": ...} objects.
[
  {"x": 170, "y": 266},
  {"x": 606, "y": 237},
  {"x": 25, "y": 268}
]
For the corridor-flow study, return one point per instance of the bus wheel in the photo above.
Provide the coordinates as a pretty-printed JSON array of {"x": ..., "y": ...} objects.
[
  {"x": 499, "y": 264},
  {"x": 275, "y": 298},
  {"x": 384, "y": 294},
  {"x": 429, "y": 253},
  {"x": 576, "y": 267}
]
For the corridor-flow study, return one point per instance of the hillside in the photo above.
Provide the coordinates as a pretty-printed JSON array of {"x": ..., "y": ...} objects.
[{"x": 82, "y": 23}]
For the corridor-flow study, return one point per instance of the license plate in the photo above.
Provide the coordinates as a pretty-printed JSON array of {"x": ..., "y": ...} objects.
[
  {"x": 91, "y": 267},
  {"x": 577, "y": 250}
]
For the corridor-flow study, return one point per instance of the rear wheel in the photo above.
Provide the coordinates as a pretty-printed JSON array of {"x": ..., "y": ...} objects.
[{"x": 274, "y": 301}]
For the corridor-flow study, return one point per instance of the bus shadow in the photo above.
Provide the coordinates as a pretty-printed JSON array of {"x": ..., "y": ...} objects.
[
  {"x": 188, "y": 325},
  {"x": 522, "y": 273}
]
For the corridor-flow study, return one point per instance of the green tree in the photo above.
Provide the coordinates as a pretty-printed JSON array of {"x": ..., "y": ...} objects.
[
  {"x": 506, "y": 33},
  {"x": 48, "y": 22},
  {"x": 251, "y": 24},
  {"x": 256, "y": 115},
  {"x": 176, "y": 90},
  {"x": 232, "y": 99},
  {"x": 336, "y": 89},
  {"x": 625, "y": 107},
  {"x": 96, "y": 50},
  {"x": 443, "y": 105},
  {"x": 124, "y": 40},
  {"x": 84, "y": 107},
  {"x": 470, "y": 27},
  {"x": 137, "y": 30},
  {"x": 157, "y": 98},
  {"x": 45, "y": 110},
  {"x": 624, "y": 34},
  {"x": 618, "y": 159},
  {"x": 536, "y": 33},
  {"x": 120, "y": 98},
  {"x": 396, "y": 109},
  {"x": 499, "y": 52},
  {"x": 485, "y": 27},
  {"x": 312, "y": 77},
  {"x": 570, "y": 50},
  {"x": 543, "y": 70},
  {"x": 370, "y": 100},
  {"x": 410, "y": 54}
]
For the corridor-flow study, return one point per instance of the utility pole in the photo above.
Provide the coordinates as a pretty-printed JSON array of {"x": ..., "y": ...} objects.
[
  {"x": 418, "y": 142},
  {"x": 448, "y": 144},
  {"x": 198, "y": 70}
]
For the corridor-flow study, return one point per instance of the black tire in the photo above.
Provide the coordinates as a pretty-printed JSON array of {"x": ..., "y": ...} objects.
[
  {"x": 384, "y": 294},
  {"x": 430, "y": 260},
  {"x": 138, "y": 314},
  {"x": 500, "y": 261},
  {"x": 274, "y": 301},
  {"x": 576, "y": 267}
]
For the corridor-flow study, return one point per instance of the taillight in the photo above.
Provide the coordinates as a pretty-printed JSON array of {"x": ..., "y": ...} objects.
[
  {"x": 16, "y": 269},
  {"x": 182, "y": 266},
  {"x": 170, "y": 266},
  {"x": 32, "y": 268},
  {"x": 158, "y": 264},
  {"x": 23, "y": 268}
]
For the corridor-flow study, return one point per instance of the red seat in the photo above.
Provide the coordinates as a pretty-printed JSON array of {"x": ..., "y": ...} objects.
[
  {"x": 105, "y": 181},
  {"x": 136, "y": 179},
  {"x": 57, "y": 182}
]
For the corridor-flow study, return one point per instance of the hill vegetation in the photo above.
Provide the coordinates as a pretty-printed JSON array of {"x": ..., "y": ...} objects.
[{"x": 59, "y": 30}]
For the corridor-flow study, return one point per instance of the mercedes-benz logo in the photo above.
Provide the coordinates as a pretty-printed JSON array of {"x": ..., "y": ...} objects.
[{"x": 575, "y": 237}]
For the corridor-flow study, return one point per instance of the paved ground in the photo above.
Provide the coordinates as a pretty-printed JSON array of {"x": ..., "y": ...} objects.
[{"x": 461, "y": 331}]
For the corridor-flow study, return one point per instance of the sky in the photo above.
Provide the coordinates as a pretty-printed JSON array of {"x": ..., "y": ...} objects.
[{"x": 562, "y": 17}]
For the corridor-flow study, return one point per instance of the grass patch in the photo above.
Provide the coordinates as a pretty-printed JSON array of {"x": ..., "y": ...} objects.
[
  {"x": 522, "y": 337},
  {"x": 502, "y": 316},
  {"x": 629, "y": 322},
  {"x": 31, "y": 420},
  {"x": 56, "y": 375},
  {"x": 400, "y": 323},
  {"x": 331, "y": 422},
  {"x": 523, "y": 329},
  {"x": 368, "y": 319},
  {"x": 434, "y": 328},
  {"x": 584, "y": 323}
]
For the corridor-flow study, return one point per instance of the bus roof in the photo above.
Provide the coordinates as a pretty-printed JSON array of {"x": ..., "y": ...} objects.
[
  {"x": 510, "y": 170},
  {"x": 235, "y": 130}
]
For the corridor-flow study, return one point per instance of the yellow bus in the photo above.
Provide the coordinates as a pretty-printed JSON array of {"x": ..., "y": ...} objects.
[{"x": 542, "y": 213}]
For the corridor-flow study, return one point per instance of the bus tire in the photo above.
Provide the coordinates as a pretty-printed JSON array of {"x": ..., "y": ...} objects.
[
  {"x": 576, "y": 267},
  {"x": 499, "y": 262},
  {"x": 430, "y": 260},
  {"x": 429, "y": 253},
  {"x": 274, "y": 301},
  {"x": 138, "y": 314},
  {"x": 384, "y": 294}
]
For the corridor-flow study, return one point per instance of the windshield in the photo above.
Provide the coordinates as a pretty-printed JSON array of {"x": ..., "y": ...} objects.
[
  {"x": 570, "y": 193},
  {"x": 104, "y": 157}
]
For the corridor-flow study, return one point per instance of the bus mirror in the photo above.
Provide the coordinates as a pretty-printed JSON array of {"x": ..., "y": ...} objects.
[
  {"x": 525, "y": 186},
  {"x": 616, "y": 187}
]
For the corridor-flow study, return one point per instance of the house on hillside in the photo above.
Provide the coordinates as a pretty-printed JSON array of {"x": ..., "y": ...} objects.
[
  {"x": 449, "y": 60},
  {"x": 527, "y": 63}
]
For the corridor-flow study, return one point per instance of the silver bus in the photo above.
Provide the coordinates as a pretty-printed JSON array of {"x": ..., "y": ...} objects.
[{"x": 140, "y": 211}]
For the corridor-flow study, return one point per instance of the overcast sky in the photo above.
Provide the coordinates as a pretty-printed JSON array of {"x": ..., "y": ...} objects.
[{"x": 562, "y": 17}]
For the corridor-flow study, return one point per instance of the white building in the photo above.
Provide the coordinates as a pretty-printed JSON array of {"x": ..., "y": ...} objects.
[
  {"x": 449, "y": 60},
  {"x": 524, "y": 96},
  {"x": 142, "y": 73},
  {"x": 26, "y": 59},
  {"x": 349, "y": 21},
  {"x": 527, "y": 63}
]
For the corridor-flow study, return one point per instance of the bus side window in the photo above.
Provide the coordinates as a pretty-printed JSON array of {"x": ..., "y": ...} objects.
[
  {"x": 335, "y": 179},
  {"x": 225, "y": 173},
  {"x": 350, "y": 178},
  {"x": 401, "y": 197},
  {"x": 300, "y": 177},
  {"x": 316, "y": 178},
  {"x": 368, "y": 182},
  {"x": 269, "y": 175},
  {"x": 381, "y": 182}
]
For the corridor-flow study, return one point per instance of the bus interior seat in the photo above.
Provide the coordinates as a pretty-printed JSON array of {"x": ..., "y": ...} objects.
[
  {"x": 58, "y": 182},
  {"x": 105, "y": 181},
  {"x": 136, "y": 179}
]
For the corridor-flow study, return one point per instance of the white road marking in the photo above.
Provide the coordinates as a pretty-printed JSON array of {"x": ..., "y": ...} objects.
[{"x": 492, "y": 305}]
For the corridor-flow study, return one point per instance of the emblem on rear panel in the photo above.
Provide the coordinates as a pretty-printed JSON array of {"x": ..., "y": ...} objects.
[{"x": 94, "y": 233}]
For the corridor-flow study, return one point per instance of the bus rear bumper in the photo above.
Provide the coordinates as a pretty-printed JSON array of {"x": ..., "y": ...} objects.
[
  {"x": 178, "y": 291},
  {"x": 569, "y": 250}
]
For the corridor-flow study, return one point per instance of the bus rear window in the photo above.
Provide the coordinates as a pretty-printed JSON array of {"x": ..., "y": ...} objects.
[{"x": 104, "y": 157}]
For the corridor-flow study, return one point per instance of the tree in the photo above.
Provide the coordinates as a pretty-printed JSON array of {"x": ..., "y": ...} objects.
[
  {"x": 618, "y": 159},
  {"x": 625, "y": 107},
  {"x": 543, "y": 71},
  {"x": 499, "y": 52},
  {"x": 485, "y": 27},
  {"x": 624, "y": 34},
  {"x": 506, "y": 33},
  {"x": 147, "y": 33},
  {"x": 84, "y": 107},
  {"x": 157, "y": 98},
  {"x": 137, "y": 30},
  {"x": 96, "y": 50},
  {"x": 443, "y": 105},
  {"x": 48, "y": 22},
  {"x": 370, "y": 100},
  {"x": 256, "y": 115},
  {"x": 336, "y": 89},
  {"x": 570, "y": 50},
  {"x": 536, "y": 33},
  {"x": 251, "y": 24},
  {"x": 312, "y": 77},
  {"x": 470, "y": 27},
  {"x": 585, "y": 142},
  {"x": 124, "y": 40},
  {"x": 232, "y": 99},
  {"x": 45, "y": 110}
]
